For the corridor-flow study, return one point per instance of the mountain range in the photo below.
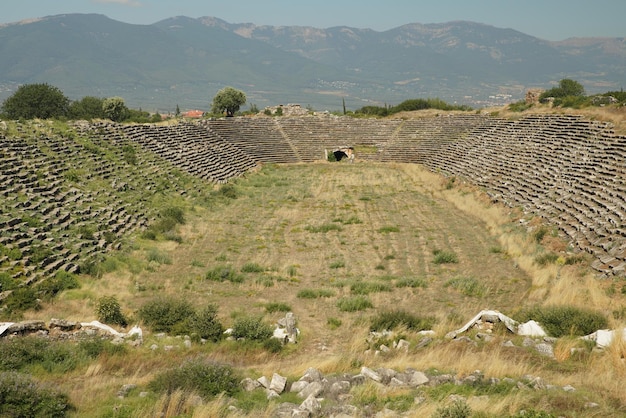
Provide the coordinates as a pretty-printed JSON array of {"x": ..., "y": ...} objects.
[{"x": 184, "y": 61}]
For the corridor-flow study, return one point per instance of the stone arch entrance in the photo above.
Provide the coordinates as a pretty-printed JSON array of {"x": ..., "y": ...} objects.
[{"x": 344, "y": 152}]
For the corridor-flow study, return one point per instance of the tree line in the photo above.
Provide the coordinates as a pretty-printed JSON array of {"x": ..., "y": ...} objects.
[{"x": 43, "y": 101}]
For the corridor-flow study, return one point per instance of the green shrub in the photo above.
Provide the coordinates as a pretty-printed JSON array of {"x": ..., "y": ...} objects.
[
  {"x": 7, "y": 282},
  {"x": 520, "y": 106},
  {"x": 277, "y": 307},
  {"x": 174, "y": 213},
  {"x": 323, "y": 228},
  {"x": 389, "y": 320},
  {"x": 28, "y": 352},
  {"x": 163, "y": 314},
  {"x": 228, "y": 191},
  {"x": 315, "y": 293},
  {"x": 559, "y": 321},
  {"x": 334, "y": 323},
  {"x": 540, "y": 233},
  {"x": 458, "y": 409},
  {"x": 365, "y": 288},
  {"x": 21, "y": 396},
  {"x": 206, "y": 325},
  {"x": 95, "y": 346},
  {"x": 444, "y": 257},
  {"x": 251, "y": 328},
  {"x": 108, "y": 311},
  {"x": 158, "y": 257},
  {"x": 467, "y": 286},
  {"x": 388, "y": 229},
  {"x": 546, "y": 258},
  {"x": 20, "y": 300},
  {"x": 273, "y": 345},
  {"x": 354, "y": 304},
  {"x": 411, "y": 282},
  {"x": 62, "y": 280},
  {"x": 337, "y": 264},
  {"x": 224, "y": 273},
  {"x": 252, "y": 268},
  {"x": 292, "y": 270},
  {"x": 265, "y": 280},
  {"x": 205, "y": 378}
]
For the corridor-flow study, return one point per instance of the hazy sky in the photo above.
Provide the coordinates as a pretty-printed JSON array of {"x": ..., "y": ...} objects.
[{"x": 546, "y": 19}]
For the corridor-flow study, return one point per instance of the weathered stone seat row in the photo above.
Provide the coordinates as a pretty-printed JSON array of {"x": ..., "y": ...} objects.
[
  {"x": 52, "y": 223},
  {"x": 566, "y": 175},
  {"x": 192, "y": 149}
]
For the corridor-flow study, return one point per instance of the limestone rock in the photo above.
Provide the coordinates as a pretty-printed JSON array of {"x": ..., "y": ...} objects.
[
  {"x": 312, "y": 389},
  {"x": 249, "y": 384},
  {"x": 312, "y": 375},
  {"x": 278, "y": 383},
  {"x": 298, "y": 386},
  {"x": 311, "y": 404},
  {"x": 371, "y": 374},
  {"x": 26, "y": 327},
  {"x": 418, "y": 379},
  {"x": 264, "y": 381},
  {"x": 64, "y": 325}
]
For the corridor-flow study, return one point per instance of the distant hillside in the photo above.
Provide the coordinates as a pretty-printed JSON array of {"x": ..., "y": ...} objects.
[{"x": 185, "y": 61}]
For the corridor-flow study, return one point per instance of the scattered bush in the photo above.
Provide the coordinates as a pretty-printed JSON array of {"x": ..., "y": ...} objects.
[
  {"x": 252, "y": 268},
  {"x": 520, "y": 106},
  {"x": 388, "y": 229},
  {"x": 444, "y": 257},
  {"x": 62, "y": 280},
  {"x": 539, "y": 233},
  {"x": 223, "y": 274},
  {"x": 21, "y": 396},
  {"x": 559, "y": 321},
  {"x": 546, "y": 258},
  {"x": 108, "y": 311},
  {"x": 334, "y": 323},
  {"x": 158, "y": 257},
  {"x": 206, "y": 325},
  {"x": 228, "y": 191},
  {"x": 323, "y": 228},
  {"x": 458, "y": 409},
  {"x": 365, "y": 288},
  {"x": 388, "y": 320},
  {"x": 273, "y": 345},
  {"x": 337, "y": 264},
  {"x": 163, "y": 314},
  {"x": 202, "y": 377},
  {"x": 467, "y": 286},
  {"x": 315, "y": 293},
  {"x": 20, "y": 300},
  {"x": 411, "y": 282},
  {"x": 277, "y": 307},
  {"x": 21, "y": 354},
  {"x": 7, "y": 282},
  {"x": 354, "y": 304},
  {"x": 251, "y": 328},
  {"x": 93, "y": 347}
]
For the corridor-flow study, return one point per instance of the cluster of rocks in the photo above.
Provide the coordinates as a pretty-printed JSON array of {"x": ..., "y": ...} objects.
[
  {"x": 313, "y": 388},
  {"x": 61, "y": 329}
]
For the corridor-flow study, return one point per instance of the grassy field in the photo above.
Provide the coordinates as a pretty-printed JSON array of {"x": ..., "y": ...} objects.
[{"x": 319, "y": 239}]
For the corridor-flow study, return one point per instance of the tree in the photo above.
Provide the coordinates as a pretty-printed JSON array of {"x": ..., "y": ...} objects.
[
  {"x": 115, "y": 109},
  {"x": 228, "y": 100},
  {"x": 36, "y": 101},
  {"x": 88, "y": 107},
  {"x": 566, "y": 88}
]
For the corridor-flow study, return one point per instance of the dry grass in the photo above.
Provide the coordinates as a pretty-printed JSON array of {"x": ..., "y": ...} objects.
[{"x": 267, "y": 225}]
